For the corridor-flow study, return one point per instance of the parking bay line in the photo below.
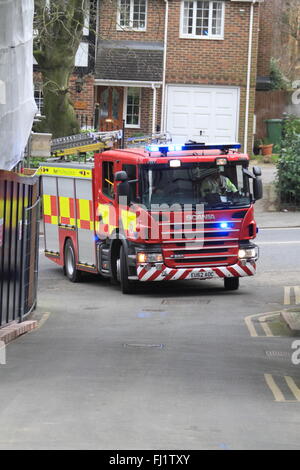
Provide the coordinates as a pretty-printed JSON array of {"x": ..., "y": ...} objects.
[
  {"x": 278, "y": 395},
  {"x": 293, "y": 387},
  {"x": 263, "y": 316},
  {"x": 277, "y": 392}
]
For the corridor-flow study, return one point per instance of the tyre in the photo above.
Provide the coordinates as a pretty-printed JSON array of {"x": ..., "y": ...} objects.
[
  {"x": 231, "y": 283},
  {"x": 70, "y": 262},
  {"x": 127, "y": 286}
]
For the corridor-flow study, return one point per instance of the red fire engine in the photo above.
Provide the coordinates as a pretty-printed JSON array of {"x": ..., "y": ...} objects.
[{"x": 161, "y": 213}]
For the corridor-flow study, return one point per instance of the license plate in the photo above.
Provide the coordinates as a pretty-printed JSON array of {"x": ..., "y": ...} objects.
[{"x": 202, "y": 275}]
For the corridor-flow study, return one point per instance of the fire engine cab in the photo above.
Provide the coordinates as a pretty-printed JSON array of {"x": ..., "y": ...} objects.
[{"x": 159, "y": 213}]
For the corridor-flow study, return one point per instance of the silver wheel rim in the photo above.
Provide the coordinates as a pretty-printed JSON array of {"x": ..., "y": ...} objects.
[
  {"x": 119, "y": 270},
  {"x": 70, "y": 261}
]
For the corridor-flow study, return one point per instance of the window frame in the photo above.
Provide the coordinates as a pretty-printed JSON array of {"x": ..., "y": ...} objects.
[
  {"x": 103, "y": 189},
  {"x": 38, "y": 96},
  {"x": 132, "y": 126},
  {"x": 130, "y": 28},
  {"x": 210, "y": 36}
]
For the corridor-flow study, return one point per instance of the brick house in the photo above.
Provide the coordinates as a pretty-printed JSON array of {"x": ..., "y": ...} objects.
[
  {"x": 184, "y": 66},
  {"x": 187, "y": 67}
]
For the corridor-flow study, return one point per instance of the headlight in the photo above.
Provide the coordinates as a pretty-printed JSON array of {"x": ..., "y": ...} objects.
[
  {"x": 142, "y": 257},
  {"x": 247, "y": 253}
]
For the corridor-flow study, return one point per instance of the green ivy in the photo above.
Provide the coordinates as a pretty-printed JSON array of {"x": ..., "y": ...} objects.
[{"x": 288, "y": 165}]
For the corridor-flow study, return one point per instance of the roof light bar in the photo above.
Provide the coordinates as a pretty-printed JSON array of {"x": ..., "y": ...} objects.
[
  {"x": 217, "y": 146},
  {"x": 164, "y": 149}
]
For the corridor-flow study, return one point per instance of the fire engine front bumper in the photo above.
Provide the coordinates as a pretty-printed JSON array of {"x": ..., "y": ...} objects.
[{"x": 160, "y": 272}]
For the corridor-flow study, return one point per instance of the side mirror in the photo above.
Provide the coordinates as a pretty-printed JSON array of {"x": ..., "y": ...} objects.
[
  {"x": 121, "y": 176},
  {"x": 257, "y": 188},
  {"x": 248, "y": 173},
  {"x": 257, "y": 171}
]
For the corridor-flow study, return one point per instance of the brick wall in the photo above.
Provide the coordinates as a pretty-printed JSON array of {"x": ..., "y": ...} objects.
[
  {"x": 84, "y": 101},
  {"x": 108, "y": 22}
]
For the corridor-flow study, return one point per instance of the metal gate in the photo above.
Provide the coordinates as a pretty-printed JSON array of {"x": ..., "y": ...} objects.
[{"x": 19, "y": 237}]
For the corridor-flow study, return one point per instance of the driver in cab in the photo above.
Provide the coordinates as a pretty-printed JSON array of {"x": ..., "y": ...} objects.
[{"x": 218, "y": 184}]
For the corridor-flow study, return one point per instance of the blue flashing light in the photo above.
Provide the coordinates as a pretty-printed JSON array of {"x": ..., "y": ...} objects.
[
  {"x": 224, "y": 225},
  {"x": 164, "y": 148},
  {"x": 175, "y": 148},
  {"x": 152, "y": 148}
]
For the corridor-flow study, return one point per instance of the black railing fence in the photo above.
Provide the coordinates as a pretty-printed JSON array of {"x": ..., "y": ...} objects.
[{"x": 19, "y": 236}]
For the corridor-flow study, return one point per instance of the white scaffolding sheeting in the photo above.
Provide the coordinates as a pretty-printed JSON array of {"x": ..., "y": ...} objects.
[{"x": 17, "y": 106}]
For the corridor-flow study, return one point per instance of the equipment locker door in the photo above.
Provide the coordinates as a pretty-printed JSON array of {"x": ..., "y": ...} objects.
[
  {"x": 85, "y": 222},
  {"x": 50, "y": 214}
]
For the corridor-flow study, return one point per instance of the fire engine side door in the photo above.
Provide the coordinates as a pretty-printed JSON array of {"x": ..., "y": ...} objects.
[
  {"x": 128, "y": 217},
  {"x": 106, "y": 210},
  {"x": 50, "y": 213}
]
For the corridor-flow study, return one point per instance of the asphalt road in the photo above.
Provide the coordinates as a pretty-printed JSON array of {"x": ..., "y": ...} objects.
[{"x": 172, "y": 367}]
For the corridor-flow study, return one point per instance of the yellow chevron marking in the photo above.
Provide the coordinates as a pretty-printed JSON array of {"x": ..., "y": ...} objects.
[
  {"x": 293, "y": 387},
  {"x": 278, "y": 395}
]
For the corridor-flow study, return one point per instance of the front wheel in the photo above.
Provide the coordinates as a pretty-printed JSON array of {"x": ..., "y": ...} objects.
[
  {"x": 70, "y": 264},
  {"x": 127, "y": 286},
  {"x": 231, "y": 283}
]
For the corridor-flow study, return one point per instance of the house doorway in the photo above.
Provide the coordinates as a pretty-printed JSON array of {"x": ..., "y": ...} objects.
[{"x": 110, "y": 101}]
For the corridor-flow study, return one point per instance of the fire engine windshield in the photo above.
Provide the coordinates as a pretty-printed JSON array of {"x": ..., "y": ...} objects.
[{"x": 215, "y": 187}]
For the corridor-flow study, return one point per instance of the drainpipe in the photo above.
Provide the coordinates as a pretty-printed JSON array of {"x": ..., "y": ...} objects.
[
  {"x": 154, "y": 109},
  {"x": 163, "y": 97},
  {"x": 249, "y": 66}
]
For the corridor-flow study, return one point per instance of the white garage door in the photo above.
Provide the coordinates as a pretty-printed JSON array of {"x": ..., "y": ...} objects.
[{"x": 203, "y": 114}]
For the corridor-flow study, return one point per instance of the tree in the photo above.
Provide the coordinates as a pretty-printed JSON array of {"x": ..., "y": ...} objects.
[
  {"x": 289, "y": 31},
  {"x": 58, "y": 27}
]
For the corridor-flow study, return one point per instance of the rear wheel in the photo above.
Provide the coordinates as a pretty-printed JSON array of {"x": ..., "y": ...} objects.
[
  {"x": 127, "y": 286},
  {"x": 70, "y": 262},
  {"x": 231, "y": 283}
]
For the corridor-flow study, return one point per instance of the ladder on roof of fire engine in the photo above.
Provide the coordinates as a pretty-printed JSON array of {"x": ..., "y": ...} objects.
[
  {"x": 82, "y": 143},
  {"x": 156, "y": 138}
]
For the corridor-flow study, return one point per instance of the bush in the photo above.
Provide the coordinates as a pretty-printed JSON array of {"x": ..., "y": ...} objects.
[
  {"x": 278, "y": 80},
  {"x": 288, "y": 165}
]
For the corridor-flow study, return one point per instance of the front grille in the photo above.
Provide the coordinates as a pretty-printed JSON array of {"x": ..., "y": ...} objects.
[{"x": 197, "y": 247}]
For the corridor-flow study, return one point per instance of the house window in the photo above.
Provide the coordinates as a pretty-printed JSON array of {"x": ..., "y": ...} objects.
[
  {"x": 133, "y": 107},
  {"x": 38, "y": 96},
  {"x": 132, "y": 14},
  {"x": 204, "y": 19}
]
